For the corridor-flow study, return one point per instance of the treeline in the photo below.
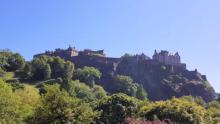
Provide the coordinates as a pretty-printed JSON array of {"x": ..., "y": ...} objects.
[{"x": 49, "y": 90}]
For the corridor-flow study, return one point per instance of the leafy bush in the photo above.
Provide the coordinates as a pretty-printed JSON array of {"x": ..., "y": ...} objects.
[
  {"x": 177, "y": 110},
  {"x": 12, "y": 109},
  {"x": 116, "y": 108},
  {"x": 56, "y": 106},
  {"x": 89, "y": 75}
]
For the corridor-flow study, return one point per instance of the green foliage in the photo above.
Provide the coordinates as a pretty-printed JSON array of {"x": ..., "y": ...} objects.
[
  {"x": 58, "y": 107},
  {"x": 45, "y": 67},
  {"x": 39, "y": 68},
  {"x": 89, "y": 75},
  {"x": 2, "y": 72},
  {"x": 4, "y": 59},
  {"x": 20, "y": 103},
  {"x": 27, "y": 71},
  {"x": 47, "y": 72},
  {"x": 116, "y": 108},
  {"x": 197, "y": 100},
  {"x": 141, "y": 93},
  {"x": 68, "y": 70},
  {"x": 177, "y": 110},
  {"x": 214, "y": 109},
  {"x": 12, "y": 109},
  {"x": 10, "y": 61},
  {"x": 7, "y": 76},
  {"x": 16, "y": 62},
  {"x": 99, "y": 92},
  {"x": 29, "y": 97},
  {"x": 124, "y": 84},
  {"x": 84, "y": 92},
  {"x": 61, "y": 68}
]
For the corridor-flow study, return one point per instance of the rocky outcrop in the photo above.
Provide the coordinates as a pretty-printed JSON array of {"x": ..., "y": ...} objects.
[
  {"x": 160, "y": 81},
  {"x": 163, "y": 81}
]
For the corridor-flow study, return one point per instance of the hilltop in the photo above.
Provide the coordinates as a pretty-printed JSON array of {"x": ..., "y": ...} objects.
[
  {"x": 87, "y": 87},
  {"x": 162, "y": 76}
]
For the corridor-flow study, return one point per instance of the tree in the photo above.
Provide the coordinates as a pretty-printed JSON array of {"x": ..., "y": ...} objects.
[
  {"x": 141, "y": 93},
  {"x": 197, "y": 100},
  {"x": 89, "y": 75},
  {"x": 99, "y": 92},
  {"x": 124, "y": 84},
  {"x": 214, "y": 109},
  {"x": 61, "y": 68},
  {"x": 68, "y": 70},
  {"x": 4, "y": 55},
  {"x": 58, "y": 107},
  {"x": 177, "y": 110},
  {"x": 39, "y": 67},
  {"x": 45, "y": 67},
  {"x": 16, "y": 62},
  {"x": 47, "y": 71},
  {"x": 12, "y": 110},
  {"x": 116, "y": 108},
  {"x": 84, "y": 92},
  {"x": 10, "y": 61},
  {"x": 27, "y": 70},
  {"x": 2, "y": 72},
  {"x": 29, "y": 97},
  {"x": 57, "y": 66}
]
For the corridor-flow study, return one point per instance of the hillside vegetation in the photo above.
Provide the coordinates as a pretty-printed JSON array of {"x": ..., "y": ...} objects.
[{"x": 51, "y": 90}]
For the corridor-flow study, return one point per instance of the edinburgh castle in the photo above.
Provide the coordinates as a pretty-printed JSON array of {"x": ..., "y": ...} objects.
[{"x": 163, "y": 57}]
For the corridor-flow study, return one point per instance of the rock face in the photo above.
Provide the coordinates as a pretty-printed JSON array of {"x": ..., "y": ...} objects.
[
  {"x": 161, "y": 81},
  {"x": 164, "y": 81}
]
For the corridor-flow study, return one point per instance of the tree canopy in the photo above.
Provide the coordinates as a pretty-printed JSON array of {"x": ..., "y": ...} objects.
[{"x": 89, "y": 75}]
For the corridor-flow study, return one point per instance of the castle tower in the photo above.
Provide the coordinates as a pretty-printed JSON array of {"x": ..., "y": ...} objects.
[
  {"x": 167, "y": 58},
  {"x": 71, "y": 51}
]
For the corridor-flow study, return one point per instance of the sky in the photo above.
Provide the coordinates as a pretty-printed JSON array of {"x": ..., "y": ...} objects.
[{"x": 191, "y": 27}]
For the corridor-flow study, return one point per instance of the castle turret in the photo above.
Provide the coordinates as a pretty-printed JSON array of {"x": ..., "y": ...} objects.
[{"x": 167, "y": 58}]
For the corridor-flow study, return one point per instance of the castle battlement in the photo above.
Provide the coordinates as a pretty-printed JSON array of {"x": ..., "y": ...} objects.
[
  {"x": 72, "y": 52},
  {"x": 168, "y": 58}
]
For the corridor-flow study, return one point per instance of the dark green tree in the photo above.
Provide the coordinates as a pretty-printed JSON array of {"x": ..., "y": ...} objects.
[
  {"x": 178, "y": 111},
  {"x": 12, "y": 110},
  {"x": 10, "y": 61},
  {"x": 4, "y": 55},
  {"x": 27, "y": 71},
  {"x": 84, "y": 92},
  {"x": 16, "y": 62},
  {"x": 68, "y": 70},
  {"x": 57, "y": 66},
  {"x": 141, "y": 93},
  {"x": 214, "y": 109},
  {"x": 39, "y": 67},
  {"x": 124, "y": 84},
  {"x": 45, "y": 67},
  {"x": 116, "y": 108},
  {"x": 47, "y": 72},
  {"x": 89, "y": 75},
  {"x": 57, "y": 107}
]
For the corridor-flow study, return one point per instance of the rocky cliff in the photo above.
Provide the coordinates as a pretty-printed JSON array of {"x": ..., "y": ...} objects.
[{"x": 160, "y": 81}]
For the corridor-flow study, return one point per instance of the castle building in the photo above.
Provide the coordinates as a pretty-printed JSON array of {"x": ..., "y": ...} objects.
[
  {"x": 169, "y": 59},
  {"x": 72, "y": 52},
  {"x": 89, "y": 52}
]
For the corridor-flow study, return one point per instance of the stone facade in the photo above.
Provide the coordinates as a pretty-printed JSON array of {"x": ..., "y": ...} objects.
[
  {"x": 162, "y": 57},
  {"x": 169, "y": 59},
  {"x": 89, "y": 52},
  {"x": 72, "y": 52}
]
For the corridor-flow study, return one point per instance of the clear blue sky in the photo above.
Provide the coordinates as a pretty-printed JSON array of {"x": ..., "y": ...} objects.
[{"x": 191, "y": 27}]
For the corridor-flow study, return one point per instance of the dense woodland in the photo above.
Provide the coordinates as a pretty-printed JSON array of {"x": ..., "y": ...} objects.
[{"x": 50, "y": 90}]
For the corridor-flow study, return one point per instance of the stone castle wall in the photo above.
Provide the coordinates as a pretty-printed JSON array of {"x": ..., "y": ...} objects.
[{"x": 169, "y": 59}]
